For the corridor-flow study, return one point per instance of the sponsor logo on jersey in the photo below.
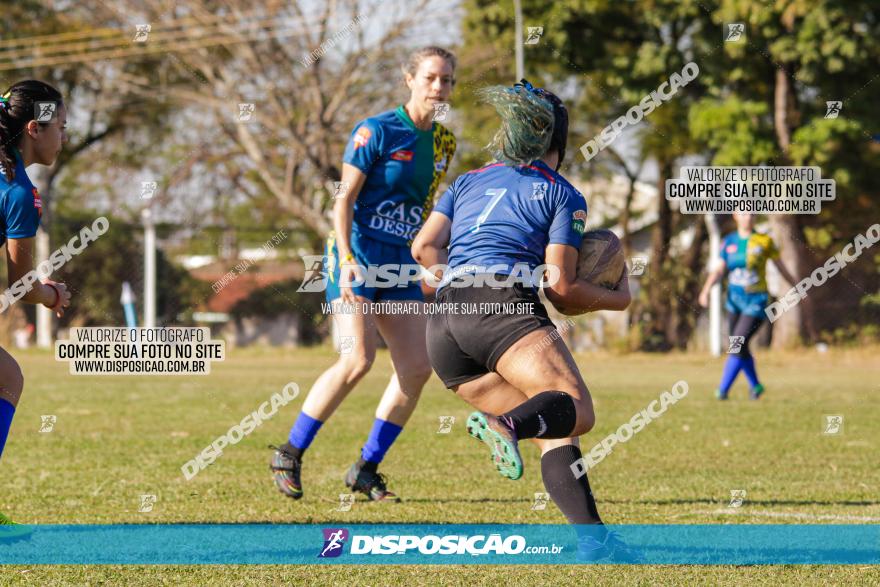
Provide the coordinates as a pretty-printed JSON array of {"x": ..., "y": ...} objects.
[
  {"x": 579, "y": 221},
  {"x": 742, "y": 277},
  {"x": 361, "y": 137},
  {"x": 402, "y": 155},
  {"x": 440, "y": 165},
  {"x": 396, "y": 218},
  {"x": 38, "y": 203},
  {"x": 731, "y": 248},
  {"x": 539, "y": 190}
]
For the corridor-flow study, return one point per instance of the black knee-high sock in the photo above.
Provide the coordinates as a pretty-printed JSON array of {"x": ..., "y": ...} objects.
[
  {"x": 550, "y": 414},
  {"x": 572, "y": 495}
]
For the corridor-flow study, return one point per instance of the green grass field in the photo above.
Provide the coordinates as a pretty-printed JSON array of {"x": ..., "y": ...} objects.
[{"x": 119, "y": 437}]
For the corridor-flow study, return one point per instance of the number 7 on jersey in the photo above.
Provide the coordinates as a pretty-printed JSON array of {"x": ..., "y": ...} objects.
[{"x": 497, "y": 194}]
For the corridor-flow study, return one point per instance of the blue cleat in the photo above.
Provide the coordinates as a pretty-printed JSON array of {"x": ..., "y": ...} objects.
[{"x": 610, "y": 550}]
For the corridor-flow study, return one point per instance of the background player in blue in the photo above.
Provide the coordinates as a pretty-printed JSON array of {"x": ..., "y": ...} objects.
[
  {"x": 743, "y": 257},
  {"x": 523, "y": 379},
  {"x": 24, "y": 141},
  {"x": 392, "y": 166}
]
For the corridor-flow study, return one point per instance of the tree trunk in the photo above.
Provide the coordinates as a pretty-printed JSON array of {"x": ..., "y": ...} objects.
[
  {"x": 632, "y": 175},
  {"x": 686, "y": 286},
  {"x": 657, "y": 283},
  {"x": 626, "y": 238},
  {"x": 798, "y": 322}
]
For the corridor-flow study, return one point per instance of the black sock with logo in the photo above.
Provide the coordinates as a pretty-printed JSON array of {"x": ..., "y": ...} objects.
[
  {"x": 570, "y": 493},
  {"x": 550, "y": 414}
]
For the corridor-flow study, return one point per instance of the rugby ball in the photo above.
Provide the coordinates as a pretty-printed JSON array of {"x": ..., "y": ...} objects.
[{"x": 600, "y": 262}]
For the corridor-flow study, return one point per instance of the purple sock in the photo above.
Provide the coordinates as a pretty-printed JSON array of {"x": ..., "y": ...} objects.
[
  {"x": 382, "y": 436},
  {"x": 304, "y": 430},
  {"x": 7, "y": 410}
]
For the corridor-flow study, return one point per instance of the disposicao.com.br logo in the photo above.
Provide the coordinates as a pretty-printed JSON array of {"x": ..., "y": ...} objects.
[
  {"x": 334, "y": 539},
  {"x": 456, "y": 544}
]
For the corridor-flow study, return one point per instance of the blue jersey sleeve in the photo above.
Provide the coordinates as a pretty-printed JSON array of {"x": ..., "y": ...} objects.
[
  {"x": 446, "y": 203},
  {"x": 570, "y": 220},
  {"x": 365, "y": 146},
  {"x": 22, "y": 212}
]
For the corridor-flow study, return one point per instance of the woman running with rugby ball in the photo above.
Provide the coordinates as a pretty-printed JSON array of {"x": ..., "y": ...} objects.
[
  {"x": 23, "y": 142},
  {"x": 744, "y": 255},
  {"x": 523, "y": 379},
  {"x": 391, "y": 169}
]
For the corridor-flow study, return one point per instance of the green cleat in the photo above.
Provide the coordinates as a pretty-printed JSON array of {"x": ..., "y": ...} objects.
[
  {"x": 756, "y": 391},
  {"x": 499, "y": 436},
  {"x": 12, "y": 532}
]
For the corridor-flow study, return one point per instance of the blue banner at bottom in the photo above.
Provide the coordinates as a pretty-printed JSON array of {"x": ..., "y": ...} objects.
[{"x": 337, "y": 543}]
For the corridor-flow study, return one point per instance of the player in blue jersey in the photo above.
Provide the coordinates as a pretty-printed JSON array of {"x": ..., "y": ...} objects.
[
  {"x": 514, "y": 367},
  {"x": 392, "y": 166},
  {"x": 23, "y": 142},
  {"x": 743, "y": 257}
]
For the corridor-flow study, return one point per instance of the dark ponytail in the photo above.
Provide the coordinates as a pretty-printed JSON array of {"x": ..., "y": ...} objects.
[{"x": 17, "y": 107}]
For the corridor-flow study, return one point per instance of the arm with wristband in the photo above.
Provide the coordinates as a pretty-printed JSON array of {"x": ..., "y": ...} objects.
[
  {"x": 19, "y": 258},
  {"x": 22, "y": 221}
]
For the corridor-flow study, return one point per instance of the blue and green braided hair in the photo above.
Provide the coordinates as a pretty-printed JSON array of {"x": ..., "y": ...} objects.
[{"x": 533, "y": 122}]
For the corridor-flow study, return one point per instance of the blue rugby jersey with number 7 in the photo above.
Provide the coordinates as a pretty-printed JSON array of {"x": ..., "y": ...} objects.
[{"x": 504, "y": 215}]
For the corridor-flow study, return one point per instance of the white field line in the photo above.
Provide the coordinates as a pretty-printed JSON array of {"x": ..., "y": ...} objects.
[{"x": 802, "y": 516}]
